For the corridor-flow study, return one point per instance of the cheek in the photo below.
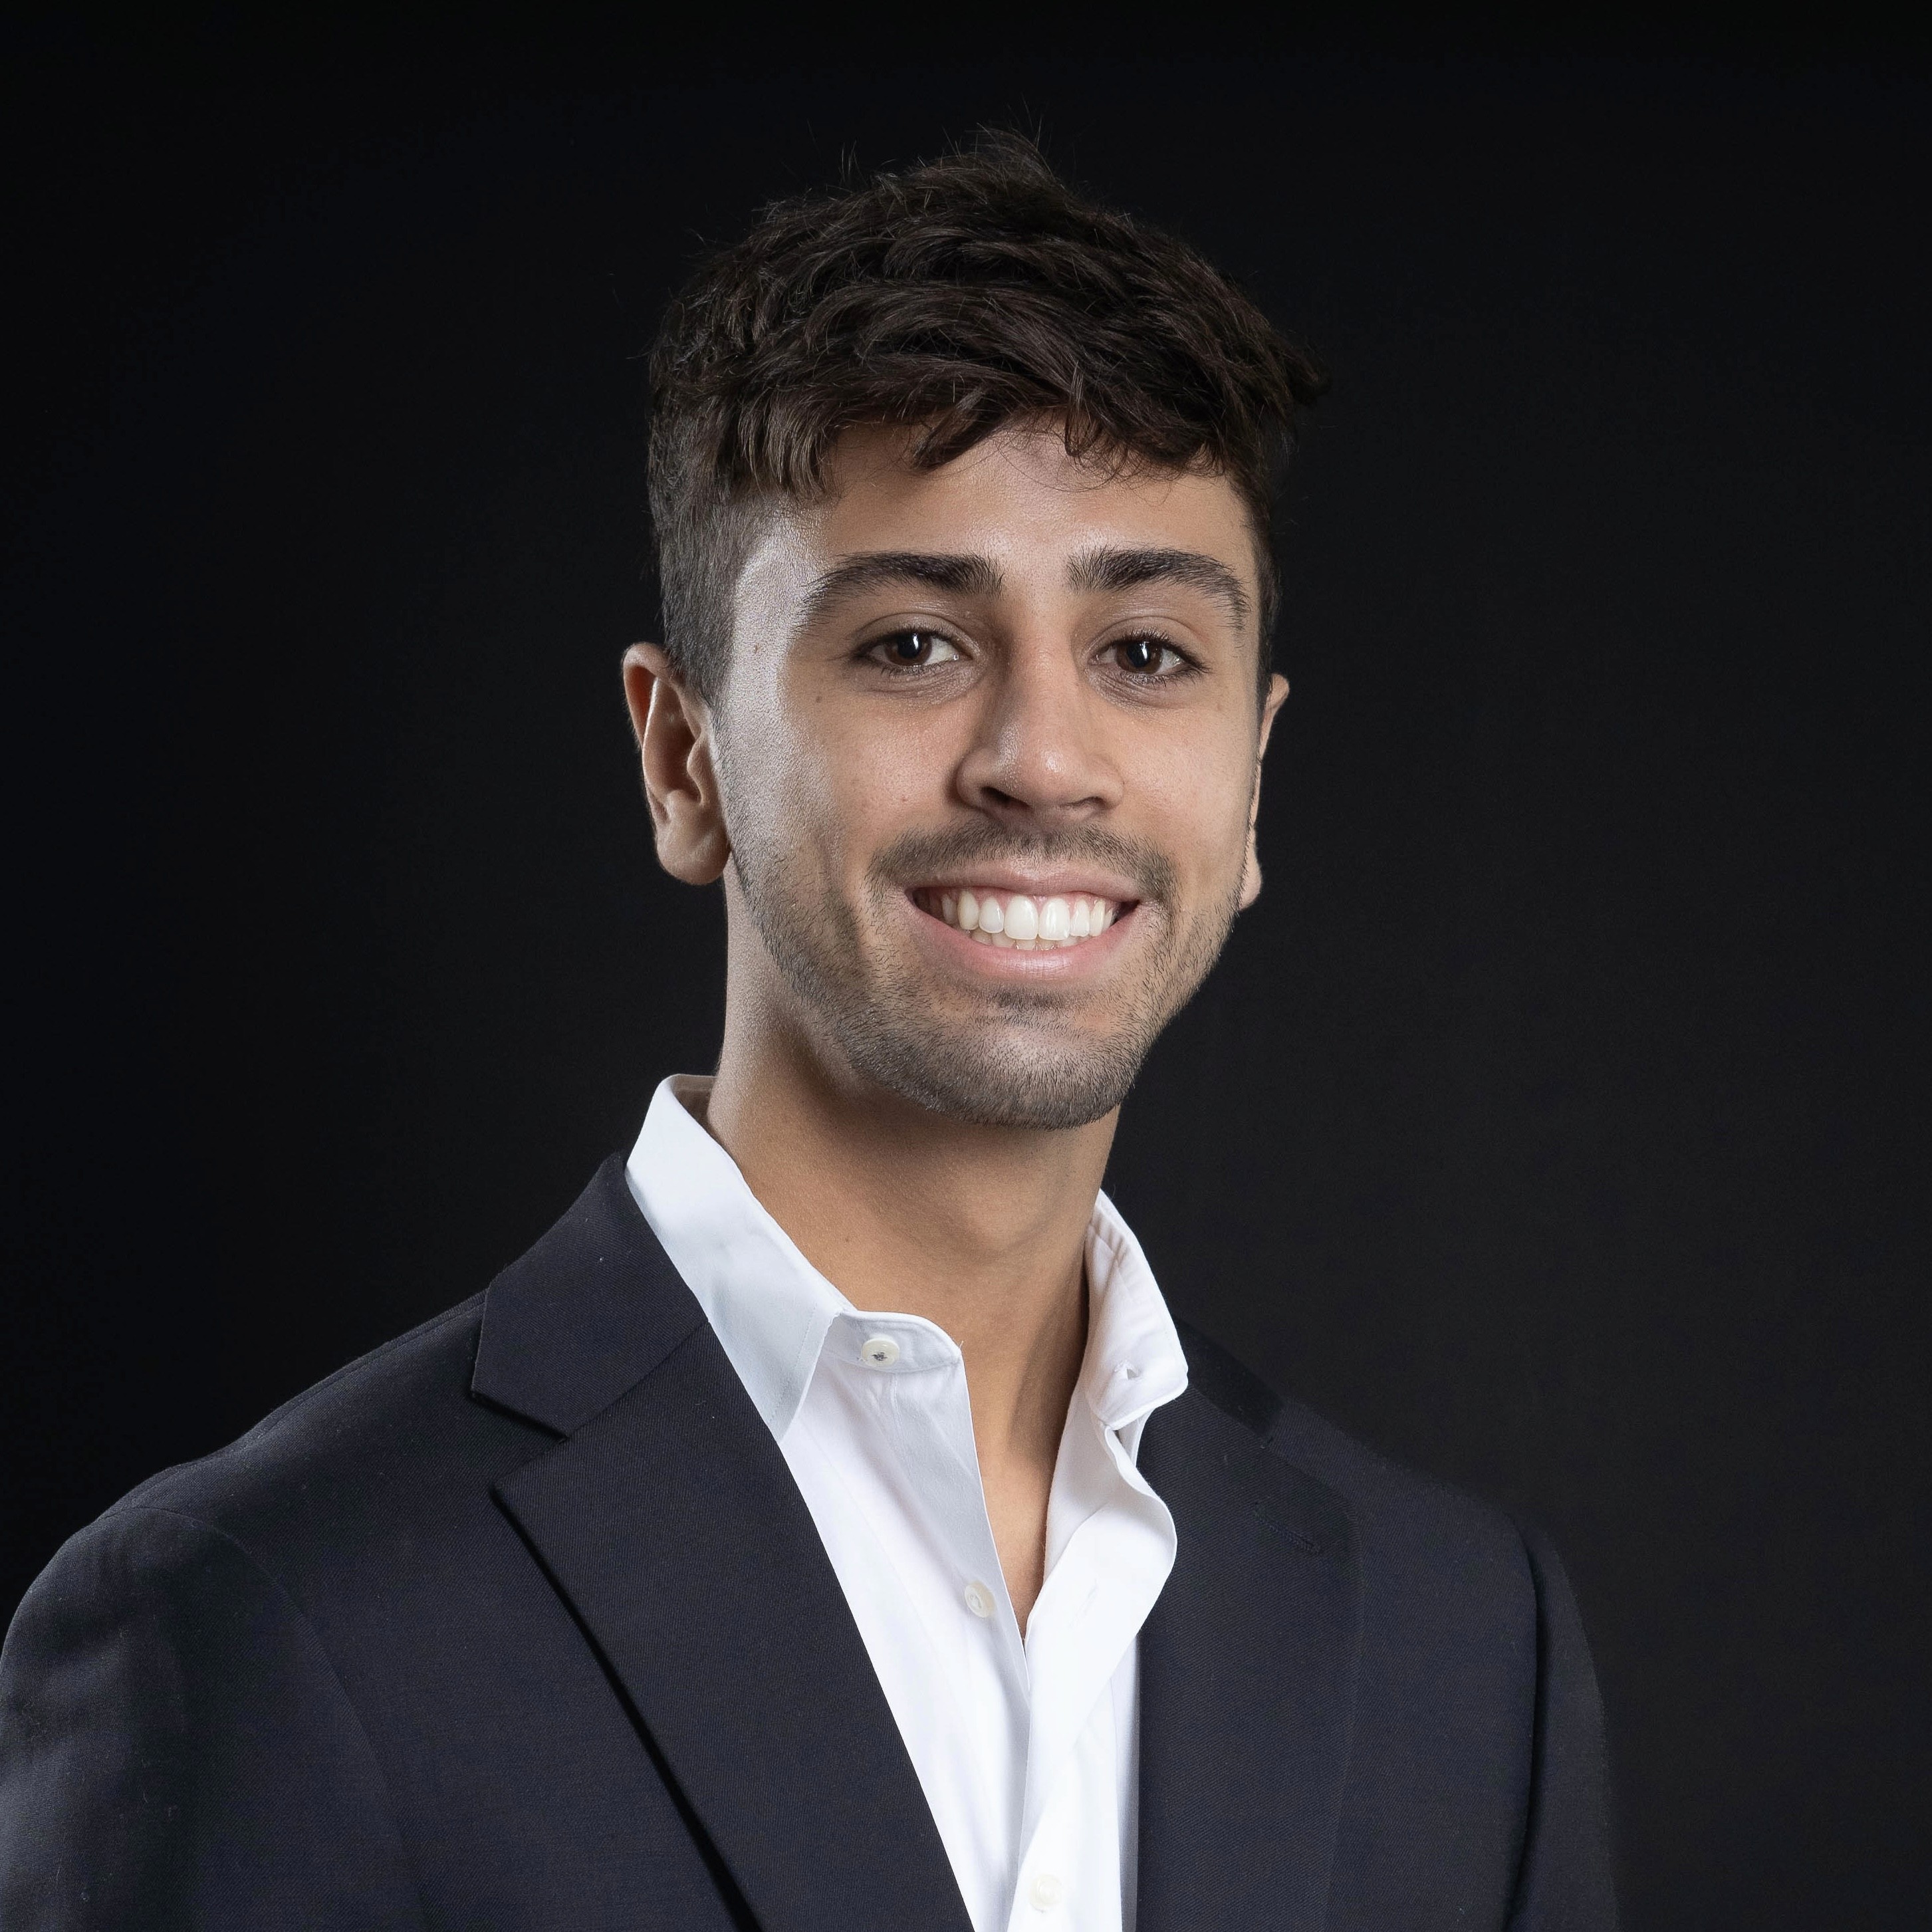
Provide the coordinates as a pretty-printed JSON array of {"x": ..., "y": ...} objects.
[
  {"x": 875, "y": 785},
  {"x": 832, "y": 789},
  {"x": 772, "y": 788},
  {"x": 1194, "y": 796},
  {"x": 861, "y": 775}
]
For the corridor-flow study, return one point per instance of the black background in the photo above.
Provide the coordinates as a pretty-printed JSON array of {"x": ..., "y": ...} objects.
[{"x": 1554, "y": 1122}]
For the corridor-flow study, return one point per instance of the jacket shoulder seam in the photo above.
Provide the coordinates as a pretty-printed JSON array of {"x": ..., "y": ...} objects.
[{"x": 296, "y": 1403}]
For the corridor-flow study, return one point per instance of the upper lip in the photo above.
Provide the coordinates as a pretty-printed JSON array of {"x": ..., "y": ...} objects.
[{"x": 1034, "y": 885}]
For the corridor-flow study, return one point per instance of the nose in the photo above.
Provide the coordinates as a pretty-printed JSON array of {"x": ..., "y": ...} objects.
[{"x": 1038, "y": 756}]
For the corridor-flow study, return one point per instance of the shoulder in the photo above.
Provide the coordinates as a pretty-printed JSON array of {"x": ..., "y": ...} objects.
[
  {"x": 173, "y": 1717},
  {"x": 381, "y": 1418},
  {"x": 1414, "y": 1533},
  {"x": 359, "y": 1471},
  {"x": 374, "y": 1491}
]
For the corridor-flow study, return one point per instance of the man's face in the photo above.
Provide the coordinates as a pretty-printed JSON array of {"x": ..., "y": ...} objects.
[{"x": 988, "y": 749}]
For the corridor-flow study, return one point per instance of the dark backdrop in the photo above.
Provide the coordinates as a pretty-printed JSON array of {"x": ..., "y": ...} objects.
[{"x": 1555, "y": 1121}]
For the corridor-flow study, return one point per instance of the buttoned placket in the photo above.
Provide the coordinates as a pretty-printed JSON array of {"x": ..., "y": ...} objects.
[
  {"x": 1087, "y": 1620},
  {"x": 909, "y": 1378}
]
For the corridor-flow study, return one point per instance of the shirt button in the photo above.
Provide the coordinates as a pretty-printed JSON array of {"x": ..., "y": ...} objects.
[
  {"x": 979, "y": 1600},
  {"x": 879, "y": 1351},
  {"x": 1046, "y": 1891}
]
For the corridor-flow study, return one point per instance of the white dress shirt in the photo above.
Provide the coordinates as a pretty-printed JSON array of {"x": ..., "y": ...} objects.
[{"x": 1025, "y": 1747}]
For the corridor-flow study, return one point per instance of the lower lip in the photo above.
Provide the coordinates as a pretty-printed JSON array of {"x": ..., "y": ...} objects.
[{"x": 1009, "y": 962}]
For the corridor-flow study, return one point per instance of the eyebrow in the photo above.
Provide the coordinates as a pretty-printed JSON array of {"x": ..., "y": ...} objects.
[
  {"x": 1108, "y": 568},
  {"x": 1104, "y": 568},
  {"x": 887, "y": 569}
]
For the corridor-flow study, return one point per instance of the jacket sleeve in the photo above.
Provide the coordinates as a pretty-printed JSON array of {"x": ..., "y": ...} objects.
[
  {"x": 1567, "y": 1881},
  {"x": 176, "y": 1751}
]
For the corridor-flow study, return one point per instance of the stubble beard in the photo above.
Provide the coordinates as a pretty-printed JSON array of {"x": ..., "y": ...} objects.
[{"x": 1016, "y": 1061}]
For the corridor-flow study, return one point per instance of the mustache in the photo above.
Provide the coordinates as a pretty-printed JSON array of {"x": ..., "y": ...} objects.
[{"x": 916, "y": 855}]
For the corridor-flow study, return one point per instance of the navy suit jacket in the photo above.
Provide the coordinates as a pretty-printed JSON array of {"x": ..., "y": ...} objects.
[{"x": 520, "y": 1622}]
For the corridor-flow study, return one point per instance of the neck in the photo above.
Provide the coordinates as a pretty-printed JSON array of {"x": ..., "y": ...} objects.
[{"x": 980, "y": 1230}]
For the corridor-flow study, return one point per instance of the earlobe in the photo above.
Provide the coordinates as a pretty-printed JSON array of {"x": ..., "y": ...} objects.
[{"x": 674, "y": 733}]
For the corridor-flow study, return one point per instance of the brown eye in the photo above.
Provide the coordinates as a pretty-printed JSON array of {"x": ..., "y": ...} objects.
[
  {"x": 914, "y": 650},
  {"x": 1146, "y": 657}
]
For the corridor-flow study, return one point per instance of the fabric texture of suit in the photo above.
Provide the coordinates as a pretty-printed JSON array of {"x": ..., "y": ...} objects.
[{"x": 520, "y": 1622}]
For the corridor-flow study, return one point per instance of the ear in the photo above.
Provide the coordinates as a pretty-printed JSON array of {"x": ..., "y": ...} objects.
[
  {"x": 675, "y": 737},
  {"x": 1251, "y": 864}
]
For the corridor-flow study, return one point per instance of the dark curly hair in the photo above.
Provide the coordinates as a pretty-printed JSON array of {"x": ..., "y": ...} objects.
[{"x": 955, "y": 298}]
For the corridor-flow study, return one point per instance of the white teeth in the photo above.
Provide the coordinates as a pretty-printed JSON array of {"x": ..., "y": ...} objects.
[{"x": 1018, "y": 919}]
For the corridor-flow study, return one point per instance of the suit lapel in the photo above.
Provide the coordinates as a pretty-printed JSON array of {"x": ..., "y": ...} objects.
[
  {"x": 668, "y": 1520},
  {"x": 1247, "y": 1683}
]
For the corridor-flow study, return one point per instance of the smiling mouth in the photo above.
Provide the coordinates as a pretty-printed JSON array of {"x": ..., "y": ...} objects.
[{"x": 1021, "y": 920}]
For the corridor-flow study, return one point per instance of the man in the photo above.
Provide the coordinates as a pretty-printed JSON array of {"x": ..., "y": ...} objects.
[{"x": 826, "y": 1525}]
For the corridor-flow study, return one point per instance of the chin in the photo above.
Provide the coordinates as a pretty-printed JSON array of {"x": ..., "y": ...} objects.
[{"x": 994, "y": 1081}]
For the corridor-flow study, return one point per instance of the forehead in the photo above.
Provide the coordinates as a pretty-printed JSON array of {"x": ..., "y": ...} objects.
[{"x": 1017, "y": 499}]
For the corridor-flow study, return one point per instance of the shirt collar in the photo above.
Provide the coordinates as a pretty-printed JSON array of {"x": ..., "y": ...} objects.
[
  {"x": 772, "y": 1311},
  {"x": 1134, "y": 1361}
]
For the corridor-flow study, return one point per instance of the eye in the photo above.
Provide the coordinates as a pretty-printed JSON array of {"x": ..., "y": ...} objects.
[
  {"x": 1148, "y": 658},
  {"x": 913, "y": 650}
]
